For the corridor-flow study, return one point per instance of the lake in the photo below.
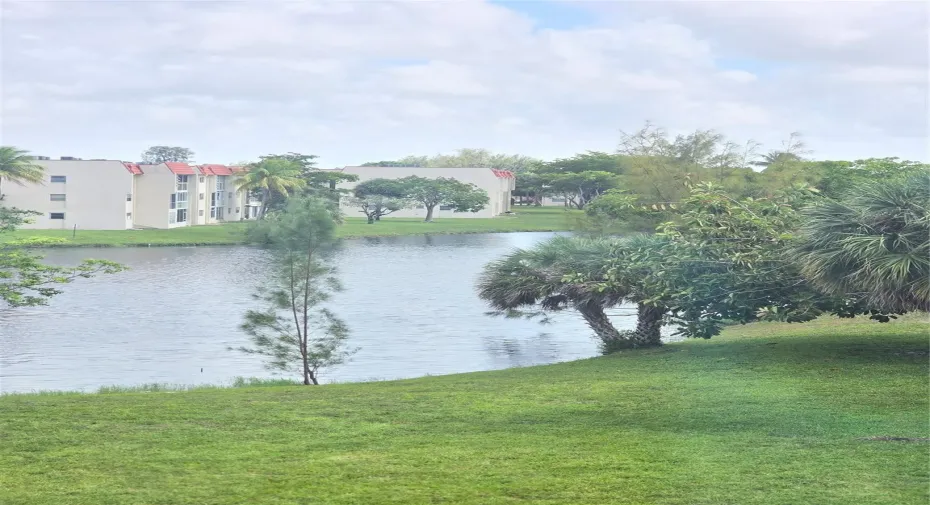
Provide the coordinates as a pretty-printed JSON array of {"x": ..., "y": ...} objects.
[{"x": 409, "y": 301}]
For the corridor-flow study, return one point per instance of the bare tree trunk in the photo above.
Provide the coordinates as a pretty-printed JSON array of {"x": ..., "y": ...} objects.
[
  {"x": 308, "y": 377},
  {"x": 649, "y": 325},
  {"x": 429, "y": 213},
  {"x": 266, "y": 197},
  {"x": 597, "y": 320}
]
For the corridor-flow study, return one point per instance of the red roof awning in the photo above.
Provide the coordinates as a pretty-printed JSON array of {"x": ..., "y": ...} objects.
[
  {"x": 179, "y": 168},
  {"x": 215, "y": 169},
  {"x": 133, "y": 168},
  {"x": 503, "y": 174}
]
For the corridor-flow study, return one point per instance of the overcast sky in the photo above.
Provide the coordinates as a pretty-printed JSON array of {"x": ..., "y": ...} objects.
[{"x": 375, "y": 80}]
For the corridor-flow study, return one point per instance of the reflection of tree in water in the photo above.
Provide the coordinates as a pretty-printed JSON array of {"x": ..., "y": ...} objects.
[{"x": 510, "y": 352}]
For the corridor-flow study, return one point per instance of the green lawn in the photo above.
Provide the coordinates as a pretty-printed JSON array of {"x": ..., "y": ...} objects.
[
  {"x": 766, "y": 414},
  {"x": 524, "y": 219}
]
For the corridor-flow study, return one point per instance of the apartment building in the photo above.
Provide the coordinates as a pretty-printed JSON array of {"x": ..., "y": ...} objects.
[
  {"x": 499, "y": 185},
  {"x": 117, "y": 195},
  {"x": 91, "y": 194}
]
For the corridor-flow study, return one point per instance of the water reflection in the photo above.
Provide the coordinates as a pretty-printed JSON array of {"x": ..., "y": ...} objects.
[{"x": 409, "y": 301}]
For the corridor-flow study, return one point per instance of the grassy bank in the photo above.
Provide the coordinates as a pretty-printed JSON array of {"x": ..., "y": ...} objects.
[
  {"x": 766, "y": 414},
  {"x": 524, "y": 219}
]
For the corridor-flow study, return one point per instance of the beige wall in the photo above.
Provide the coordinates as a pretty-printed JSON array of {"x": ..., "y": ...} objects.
[
  {"x": 153, "y": 196},
  {"x": 498, "y": 189},
  {"x": 95, "y": 195}
]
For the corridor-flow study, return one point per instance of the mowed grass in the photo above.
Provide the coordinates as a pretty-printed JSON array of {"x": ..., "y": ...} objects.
[
  {"x": 765, "y": 414},
  {"x": 523, "y": 219}
]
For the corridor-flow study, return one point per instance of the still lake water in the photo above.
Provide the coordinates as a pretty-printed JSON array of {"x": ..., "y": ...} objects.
[{"x": 409, "y": 302}]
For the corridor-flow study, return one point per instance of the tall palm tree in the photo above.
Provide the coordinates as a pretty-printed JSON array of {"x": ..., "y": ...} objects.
[
  {"x": 874, "y": 245},
  {"x": 533, "y": 281},
  {"x": 271, "y": 176},
  {"x": 18, "y": 167}
]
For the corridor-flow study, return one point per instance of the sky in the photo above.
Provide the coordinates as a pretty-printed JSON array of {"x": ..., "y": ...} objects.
[{"x": 357, "y": 81}]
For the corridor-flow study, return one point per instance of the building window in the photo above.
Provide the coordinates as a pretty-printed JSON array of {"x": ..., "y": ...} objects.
[
  {"x": 59, "y": 178},
  {"x": 129, "y": 215},
  {"x": 201, "y": 213},
  {"x": 57, "y": 197},
  {"x": 220, "y": 183},
  {"x": 56, "y": 215},
  {"x": 237, "y": 210},
  {"x": 229, "y": 210},
  {"x": 230, "y": 194},
  {"x": 216, "y": 206},
  {"x": 128, "y": 197},
  {"x": 201, "y": 179},
  {"x": 445, "y": 207},
  {"x": 177, "y": 210},
  {"x": 201, "y": 196}
]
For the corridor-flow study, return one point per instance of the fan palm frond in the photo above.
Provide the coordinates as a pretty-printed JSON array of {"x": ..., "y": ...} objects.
[{"x": 874, "y": 245}]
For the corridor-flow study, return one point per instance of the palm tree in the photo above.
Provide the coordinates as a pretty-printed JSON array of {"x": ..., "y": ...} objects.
[
  {"x": 271, "y": 176},
  {"x": 874, "y": 246},
  {"x": 17, "y": 166},
  {"x": 776, "y": 157},
  {"x": 533, "y": 282}
]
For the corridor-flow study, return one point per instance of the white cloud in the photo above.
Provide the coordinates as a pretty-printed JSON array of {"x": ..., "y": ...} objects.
[
  {"x": 740, "y": 76},
  {"x": 436, "y": 77},
  {"x": 358, "y": 81}
]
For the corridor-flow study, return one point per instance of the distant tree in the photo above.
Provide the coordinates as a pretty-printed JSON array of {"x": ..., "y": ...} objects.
[
  {"x": 272, "y": 176},
  {"x": 650, "y": 140},
  {"x": 660, "y": 169},
  {"x": 792, "y": 150},
  {"x": 294, "y": 332},
  {"x": 470, "y": 158},
  {"x": 578, "y": 179},
  {"x": 317, "y": 182},
  {"x": 590, "y": 161},
  {"x": 532, "y": 185},
  {"x": 462, "y": 197},
  {"x": 161, "y": 154},
  {"x": 18, "y": 167},
  {"x": 24, "y": 279},
  {"x": 579, "y": 188},
  {"x": 379, "y": 197},
  {"x": 388, "y": 164},
  {"x": 874, "y": 245}
]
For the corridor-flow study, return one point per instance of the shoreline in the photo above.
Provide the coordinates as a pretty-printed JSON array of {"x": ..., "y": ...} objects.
[
  {"x": 242, "y": 242},
  {"x": 541, "y": 219}
]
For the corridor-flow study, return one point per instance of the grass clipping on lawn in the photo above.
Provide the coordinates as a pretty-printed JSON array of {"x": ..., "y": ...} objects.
[{"x": 765, "y": 414}]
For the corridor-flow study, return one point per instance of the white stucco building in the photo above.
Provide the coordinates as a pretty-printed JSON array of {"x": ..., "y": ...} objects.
[
  {"x": 116, "y": 195},
  {"x": 497, "y": 183}
]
